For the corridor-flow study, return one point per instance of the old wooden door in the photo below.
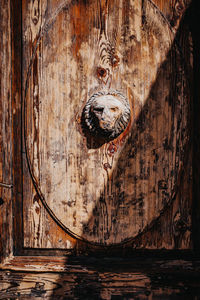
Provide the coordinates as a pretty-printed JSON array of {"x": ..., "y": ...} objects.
[{"x": 68, "y": 181}]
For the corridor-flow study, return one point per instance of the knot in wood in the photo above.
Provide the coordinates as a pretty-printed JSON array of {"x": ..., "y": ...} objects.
[{"x": 101, "y": 72}]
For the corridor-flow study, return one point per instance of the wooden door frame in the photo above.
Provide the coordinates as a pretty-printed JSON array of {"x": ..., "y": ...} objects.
[{"x": 14, "y": 256}]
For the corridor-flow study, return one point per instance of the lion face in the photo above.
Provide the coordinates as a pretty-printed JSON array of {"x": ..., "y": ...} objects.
[
  {"x": 107, "y": 110},
  {"x": 107, "y": 114}
]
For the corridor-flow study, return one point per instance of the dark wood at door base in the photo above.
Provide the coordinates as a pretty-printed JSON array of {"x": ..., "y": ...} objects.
[{"x": 105, "y": 278}]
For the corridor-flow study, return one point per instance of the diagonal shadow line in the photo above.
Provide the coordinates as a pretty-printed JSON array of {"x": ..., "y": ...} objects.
[
  {"x": 88, "y": 285},
  {"x": 140, "y": 140},
  {"x": 134, "y": 139},
  {"x": 133, "y": 144}
]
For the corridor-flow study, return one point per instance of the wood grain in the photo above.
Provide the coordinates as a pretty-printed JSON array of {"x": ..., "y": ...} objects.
[
  {"x": 173, "y": 11},
  {"x": 104, "y": 32},
  {"x": 106, "y": 279},
  {"x": 106, "y": 193},
  {"x": 40, "y": 230},
  {"x": 5, "y": 132}
]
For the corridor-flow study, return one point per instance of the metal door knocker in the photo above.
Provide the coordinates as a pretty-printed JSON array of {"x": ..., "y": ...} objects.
[{"x": 106, "y": 114}]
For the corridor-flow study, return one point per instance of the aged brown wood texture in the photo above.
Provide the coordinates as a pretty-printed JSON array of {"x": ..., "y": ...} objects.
[
  {"x": 5, "y": 131},
  {"x": 105, "y": 192},
  {"x": 106, "y": 279},
  {"x": 39, "y": 229}
]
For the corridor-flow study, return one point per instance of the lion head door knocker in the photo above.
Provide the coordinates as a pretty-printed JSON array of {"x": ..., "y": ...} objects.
[{"x": 106, "y": 114}]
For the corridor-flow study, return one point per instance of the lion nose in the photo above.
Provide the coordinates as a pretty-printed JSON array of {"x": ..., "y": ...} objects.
[
  {"x": 106, "y": 121},
  {"x": 106, "y": 115}
]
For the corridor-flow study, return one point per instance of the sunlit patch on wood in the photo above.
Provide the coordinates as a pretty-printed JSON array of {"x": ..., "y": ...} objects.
[{"x": 106, "y": 191}]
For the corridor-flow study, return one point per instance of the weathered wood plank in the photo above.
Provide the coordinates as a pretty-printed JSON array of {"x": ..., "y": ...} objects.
[
  {"x": 5, "y": 132},
  {"x": 40, "y": 231},
  {"x": 137, "y": 172},
  {"x": 107, "y": 279},
  {"x": 122, "y": 259}
]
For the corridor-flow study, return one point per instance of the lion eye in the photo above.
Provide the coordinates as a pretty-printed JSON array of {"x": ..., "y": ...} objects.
[
  {"x": 114, "y": 109},
  {"x": 99, "y": 109}
]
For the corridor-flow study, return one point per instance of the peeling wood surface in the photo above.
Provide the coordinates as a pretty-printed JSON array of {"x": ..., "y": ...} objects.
[
  {"x": 103, "y": 193},
  {"x": 171, "y": 223},
  {"x": 5, "y": 132},
  {"x": 107, "y": 279}
]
